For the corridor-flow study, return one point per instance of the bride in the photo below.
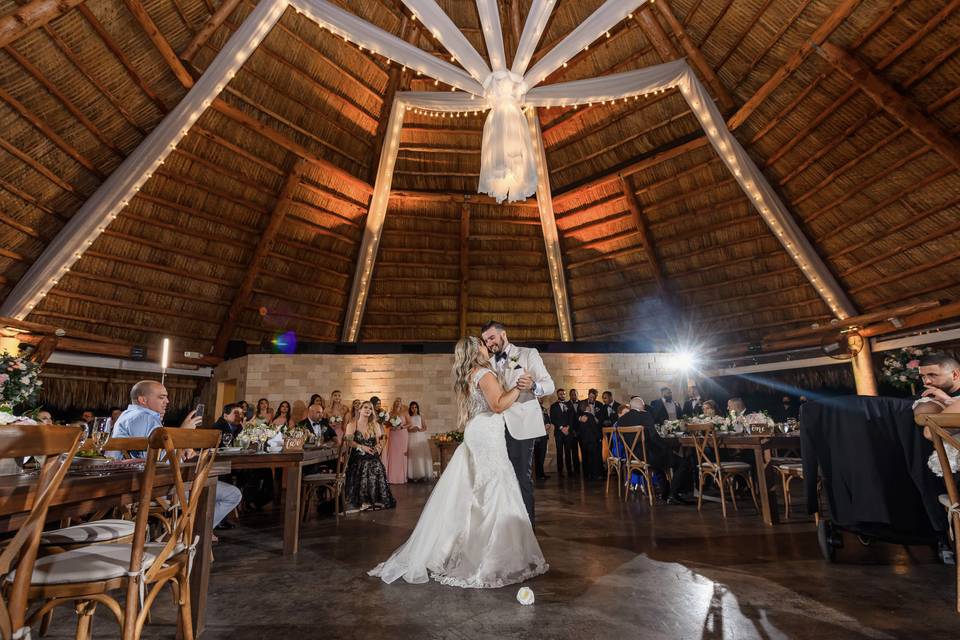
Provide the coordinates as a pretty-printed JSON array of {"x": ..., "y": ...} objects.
[{"x": 474, "y": 531}]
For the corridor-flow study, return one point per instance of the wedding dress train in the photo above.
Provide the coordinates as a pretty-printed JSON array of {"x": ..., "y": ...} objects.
[{"x": 474, "y": 531}]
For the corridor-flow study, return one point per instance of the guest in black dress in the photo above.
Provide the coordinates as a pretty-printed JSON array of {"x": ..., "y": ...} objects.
[{"x": 367, "y": 486}]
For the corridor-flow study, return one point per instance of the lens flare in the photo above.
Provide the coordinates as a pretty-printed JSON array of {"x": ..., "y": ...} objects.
[{"x": 285, "y": 342}]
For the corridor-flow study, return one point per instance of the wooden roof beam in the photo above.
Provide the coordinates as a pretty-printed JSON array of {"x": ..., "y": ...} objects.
[
  {"x": 840, "y": 13},
  {"x": 244, "y": 293},
  {"x": 692, "y": 51},
  {"x": 892, "y": 102},
  {"x": 208, "y": 29},
  {"x": 643, "y": 229},
  {"x": 160, "y": 42},
  {"x": 33, "y": 15}
]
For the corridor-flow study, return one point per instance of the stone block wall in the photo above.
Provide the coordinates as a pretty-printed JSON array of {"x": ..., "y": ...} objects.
[{"x": 426, "y": 378}]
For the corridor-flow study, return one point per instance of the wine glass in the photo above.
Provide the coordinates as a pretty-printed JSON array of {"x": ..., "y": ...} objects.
[
  {"x": 100, "y": 433},
  {"x": 226, "y": 439}
]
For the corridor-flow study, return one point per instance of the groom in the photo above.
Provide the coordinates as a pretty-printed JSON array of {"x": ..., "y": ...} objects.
[{"x": 524, "y": 420}]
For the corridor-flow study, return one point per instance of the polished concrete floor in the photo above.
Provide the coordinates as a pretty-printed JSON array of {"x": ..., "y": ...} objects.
[{"x": 617, "y": 571}]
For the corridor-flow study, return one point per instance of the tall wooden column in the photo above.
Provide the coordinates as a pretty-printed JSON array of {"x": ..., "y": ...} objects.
[
  {"x": 464, "y": 266},
  {"x": 863, "y": 374}
]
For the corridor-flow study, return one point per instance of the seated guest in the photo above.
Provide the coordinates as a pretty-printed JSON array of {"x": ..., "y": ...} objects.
[
  {"x": 148, "y": 403},
  {"x": 317, "y": 425},
  {"x": 230, "y": 420},
  {"x": 660, "y": 455},
  {"x": 709, "y": 408},
  {"x": 786, "y": 410},
  {"x": 263, "y": 413},
  {"x": 940, "y": 374},
  {"x": 736, "y": 407},
  {"x": 246, "y": 410},
  {"x": 87, "y": 418},
  {"x": 366, "y": 484},
  {"x": 693, "y": 406},
  {"x": 282, "y": 417},
  {"x": 114, "y": 414},
  {"x": 44, "y": 417}
]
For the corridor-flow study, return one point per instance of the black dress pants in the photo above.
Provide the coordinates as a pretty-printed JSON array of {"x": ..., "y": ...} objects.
[{"x": 520, "y": 453}]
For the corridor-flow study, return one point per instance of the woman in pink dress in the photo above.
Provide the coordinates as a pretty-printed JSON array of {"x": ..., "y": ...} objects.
[{"x": 395, "y": 458}]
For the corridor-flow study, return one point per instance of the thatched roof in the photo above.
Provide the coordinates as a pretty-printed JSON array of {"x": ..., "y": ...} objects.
[{"x": 876, "y": 198}]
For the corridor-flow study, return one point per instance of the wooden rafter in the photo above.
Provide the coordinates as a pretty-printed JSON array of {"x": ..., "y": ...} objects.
[
  {"x": 208, "y": 29},
  {"x": 892, "y": 102},
  {"x": 693, "y": 52},
  {"x": 242, "y": 298},
  {"x": 840, "y": 13},
  {"x": 25, "y": 19},
  {"x": 649, "y": 252},
  {"x": 160, "y": 42}
]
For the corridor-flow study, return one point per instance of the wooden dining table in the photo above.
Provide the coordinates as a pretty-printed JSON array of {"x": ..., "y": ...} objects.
[
  {"x": 81, "y": 495},
  {"x": 291, "y": 463},
  {"x": 763, "y": 446}
]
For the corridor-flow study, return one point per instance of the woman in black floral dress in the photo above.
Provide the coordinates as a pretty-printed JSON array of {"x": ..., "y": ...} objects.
[{"x": 367, "y": 486}]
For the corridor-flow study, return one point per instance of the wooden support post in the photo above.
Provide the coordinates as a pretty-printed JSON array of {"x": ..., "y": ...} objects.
[
  {"x": 818, "y": 37},
  {"x": 640, "y": 222},
  {"x": 464, "y": 266},
  {"x": 25, "y": 19},
  {"x": 655, "y": 34},
  {"x": 208, "y": 29},
  {"x": 891, "y": 101},
  {"x": 863, "y": 373},
  {"x": 694, "y": 54},
  {"x": 244, "y": 292}
]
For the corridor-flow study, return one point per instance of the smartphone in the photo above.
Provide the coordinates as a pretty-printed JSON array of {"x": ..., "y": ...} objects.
[{"x": 199, "y": 410}]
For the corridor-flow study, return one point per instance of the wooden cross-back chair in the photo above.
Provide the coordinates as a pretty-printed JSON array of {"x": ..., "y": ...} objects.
[
  {"x": 19, "y": 556},
  {"x": 615, "y": 457},
  {"x": 722, "y": 473},
  {"x": 98, "y": 530},
  {"x": 88, "y": 575},
  {"x": 937, "y": 425},
  {"x": 333, "y": 482},
  {"x": 635, "y": 450}
]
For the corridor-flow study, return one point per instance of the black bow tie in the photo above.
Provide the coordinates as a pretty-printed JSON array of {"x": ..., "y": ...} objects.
[{"x": 502, "y": 355}]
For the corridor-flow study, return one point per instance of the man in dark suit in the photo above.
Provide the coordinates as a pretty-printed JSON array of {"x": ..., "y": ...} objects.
[
  {"x": 660, "y": 455},
  {"x": 591, "y": 438},
  {"x": 562, "y": 416},
  {"x": 540, "y": 446},
  {"x": 592, "y": 403},
  {"x": 693, "y": 406},
  {"x": 609, "y": 410},
  {"x": 231, "y": 420},
  {"x": 664, "y": 407},
  {"x": 786, "y": 411},
  {"x": 317, "y": 425}
]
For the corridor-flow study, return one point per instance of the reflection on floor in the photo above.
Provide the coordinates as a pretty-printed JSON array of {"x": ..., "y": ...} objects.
[{"x": 618, "y": 570}]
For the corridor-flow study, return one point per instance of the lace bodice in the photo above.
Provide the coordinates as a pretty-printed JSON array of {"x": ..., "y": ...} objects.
[{"x": 478, "y": 403}]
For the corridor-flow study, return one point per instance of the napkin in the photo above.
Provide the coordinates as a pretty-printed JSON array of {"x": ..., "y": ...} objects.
[
  {"x": 275, "y": 443},
  {"x": 525, "y": 596}
]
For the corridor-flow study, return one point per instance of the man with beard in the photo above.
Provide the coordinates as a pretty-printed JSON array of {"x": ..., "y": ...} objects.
[{"x": 664, "y": 408}]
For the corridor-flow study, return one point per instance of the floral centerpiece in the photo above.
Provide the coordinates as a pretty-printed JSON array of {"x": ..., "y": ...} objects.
[
  {"x": 759, "y": 422},
  {"x": 19, "y": 384},
  {"x": 256, "y": 434},
  {"x": 449, "y": 436},
  {"x": 672, "y": 426},
  {"x": 901, "y": 368},
  {"x": 716, "y": 421}
]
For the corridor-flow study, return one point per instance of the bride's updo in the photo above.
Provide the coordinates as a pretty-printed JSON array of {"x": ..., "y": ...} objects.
[{"x": 468, "y": 355}]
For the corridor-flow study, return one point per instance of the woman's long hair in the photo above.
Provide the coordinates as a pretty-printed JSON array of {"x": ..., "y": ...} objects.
[
  {"x": 280, "y": 409},
  {"x": 467, "y": 356}
]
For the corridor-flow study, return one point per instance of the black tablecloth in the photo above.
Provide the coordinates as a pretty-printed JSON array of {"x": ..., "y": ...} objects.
[{"x": 873, "y": 462}]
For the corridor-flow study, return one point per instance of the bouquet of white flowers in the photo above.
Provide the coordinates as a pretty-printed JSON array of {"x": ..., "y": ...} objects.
[
  {"x": 705, "y": 419},
  {"x": 255, "y": 433},
  {"x": 335, "y": 420},
  {"x": 671, "y": 426},
  {"x": 395, "y": 422},
  {"x": 382, "y": 416}
]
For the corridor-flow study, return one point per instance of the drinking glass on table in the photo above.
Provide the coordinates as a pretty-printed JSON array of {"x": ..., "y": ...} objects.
[{"x": 100, "y": 433}]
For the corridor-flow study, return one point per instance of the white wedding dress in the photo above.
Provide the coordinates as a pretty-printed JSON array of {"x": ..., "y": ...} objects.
[{"x": 474, "y": 531}]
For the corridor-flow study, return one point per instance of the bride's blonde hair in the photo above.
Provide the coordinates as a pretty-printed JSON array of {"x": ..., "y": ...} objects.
[{"x": 467, "y": 356}]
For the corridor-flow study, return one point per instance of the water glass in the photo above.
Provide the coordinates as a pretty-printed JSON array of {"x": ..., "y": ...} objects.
[{"x": 100, "y": 433}]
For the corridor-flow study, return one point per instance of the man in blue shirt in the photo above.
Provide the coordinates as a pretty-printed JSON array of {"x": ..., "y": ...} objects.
[{"x": 148, "y": 403}]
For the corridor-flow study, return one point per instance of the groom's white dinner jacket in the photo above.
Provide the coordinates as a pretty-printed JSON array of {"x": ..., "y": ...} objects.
[{"x": 524, "y": 418}]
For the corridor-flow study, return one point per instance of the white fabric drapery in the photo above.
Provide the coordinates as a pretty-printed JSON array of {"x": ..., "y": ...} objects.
[{"x": 453, "y": 40}]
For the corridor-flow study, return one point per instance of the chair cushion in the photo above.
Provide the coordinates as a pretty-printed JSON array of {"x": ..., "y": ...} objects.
[
  {"x": 728, "y": 466},
  {"x": 89, "y": 533},
  {"x": 320, "y": 477},
  {"x": 93, "y": 563},
  {"x": 791, "y": 466}
]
